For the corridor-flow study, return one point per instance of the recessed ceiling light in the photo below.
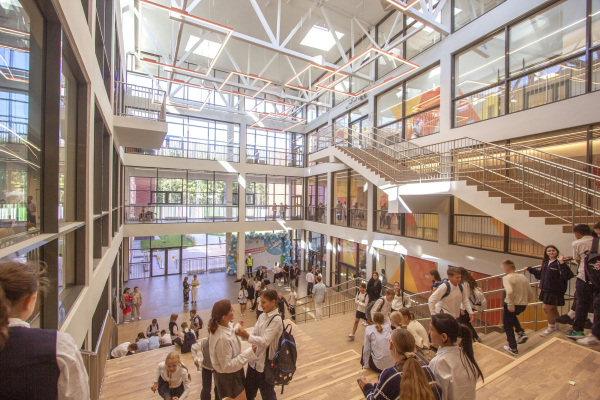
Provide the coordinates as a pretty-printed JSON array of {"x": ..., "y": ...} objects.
[
  {"x": 206, "y": 49},
  {"x": 320, "y": 38}
]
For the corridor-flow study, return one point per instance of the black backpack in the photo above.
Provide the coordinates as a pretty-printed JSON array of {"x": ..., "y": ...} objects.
[
  {"x": 198, "y": 320},
  {"x": 281, "y": 368},
  {"x": 592, "y": 265},
  {"x": 370, "y": 306},
  {"x": 189, "y": 338}
]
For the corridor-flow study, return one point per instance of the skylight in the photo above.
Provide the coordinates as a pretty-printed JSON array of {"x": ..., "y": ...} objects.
[
  {"x": 206, "y": 49},
  {"x": 320, "y": 38}
]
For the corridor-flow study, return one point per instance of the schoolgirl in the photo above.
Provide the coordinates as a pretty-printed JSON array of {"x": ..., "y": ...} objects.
[
  {"x": 243, "y": 299},
  {"x": 172, "y": 379},
  {"x": 173, "y": 328},
  {"x": 469, "y": 286}
]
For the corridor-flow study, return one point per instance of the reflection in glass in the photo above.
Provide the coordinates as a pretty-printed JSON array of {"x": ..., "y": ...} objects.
[
  {"x": 480, "y": 66},
  {"x": 423, "y": 124},
  {"x": 479, "y": 106},
  {"x": 389, "y": 106},
  {"x": 423, "y": 91},
  {"x": 466, "y": 11}
]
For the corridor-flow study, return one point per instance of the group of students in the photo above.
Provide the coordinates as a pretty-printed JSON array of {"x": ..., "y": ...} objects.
[
  {"x": 220, "y": 357},
  {"x": 250, "y": 291}
]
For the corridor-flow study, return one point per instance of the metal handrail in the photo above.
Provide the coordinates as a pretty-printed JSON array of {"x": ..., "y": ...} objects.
[
  {"x": 333, "y": 288},
  {"x": 139, "y": 102}
]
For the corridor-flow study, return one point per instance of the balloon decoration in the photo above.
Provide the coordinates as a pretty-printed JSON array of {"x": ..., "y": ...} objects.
[{"x": 232, "y": 256}]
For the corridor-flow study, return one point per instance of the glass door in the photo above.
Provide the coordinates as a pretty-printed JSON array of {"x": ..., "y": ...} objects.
[
  {"x": 173, "y": 257},
  {"x": 296, "y": 207},
  {"x": 359, "y": 128},
  {"x": 158, "y": 262}
]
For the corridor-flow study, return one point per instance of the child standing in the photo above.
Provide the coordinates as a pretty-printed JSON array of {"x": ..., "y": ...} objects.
[
  {"x": 136, "y": 303},
  {"x": 201, "y": 357},
  {"x": 281, "y": 304},
  {"x": 172, "y": 378},
  {"x": 518, "y": 293},
  {"x": 126, "y": 304},
  {"x": 195, "y": 286},
  {"x": 450, "y": 296},
  {"x": 243, "y": 299},
  {"x": 292, "y": 302},
  {"x": 361, "y": 300},
  {"x": 195, "y": 322}
]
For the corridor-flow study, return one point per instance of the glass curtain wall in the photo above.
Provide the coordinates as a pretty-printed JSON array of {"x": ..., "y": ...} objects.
[
  {"x": 350, "y": 197},
  {"x": 410, "y": 110},
  {"x": 465, "y": 11},
  {"x": 273, "y": 197},
  {"x": 316, "y": 208},
  {"x": 275, "y": 148},
  {"x": 316, "y": 255},
  {"x": 543, "y": 59},
  {"x": 197, "y": 138},
  {"x": 179, "y": 196},
  {"x": 151, "y": 256},
  {"x": 350, "y": 261}
]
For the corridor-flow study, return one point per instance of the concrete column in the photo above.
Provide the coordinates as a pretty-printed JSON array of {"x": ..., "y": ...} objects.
[
  {"x": 243, "y": 142},
  {"x": 330, "y": 199},
  {"x": 303, "y": 237},
  {"x": 242, "y": 196},
  {"x": 329, "y": 258},
  {"x": 229, "y": 195},
  {"x": 241, "y": 251}
]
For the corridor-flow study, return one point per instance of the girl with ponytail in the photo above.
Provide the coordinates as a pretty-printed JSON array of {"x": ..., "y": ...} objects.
[
  {"x": 413, "y": 326},
  {"x": 172, "y": 379},
  {"x": 408, "y": 379},
  {"x": 226, "y": 353},
  {"x": 49, "y": 356},
  {"x": 375, "y": 353},
  {"x": 454, "y": 367}
]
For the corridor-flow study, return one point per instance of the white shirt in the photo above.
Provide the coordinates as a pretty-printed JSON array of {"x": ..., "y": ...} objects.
[
  {"x": 452, "y": 303},
  {"x": 419, "y": 333},
  {"x": 166, "y": 339},
  {"x": 265, "y": 335},
  {"x": 310, "y": 278},
  {"x": 377, "y": 344},
  {"x": 177, "y": 378},
  {"x": 400, "y": 301},
  {"x": 143, "y": 345},
  {"x": 226, "y": 350},
  {"x": 518, "y": 290},
  {"x": 361, "y": 300},
  {"x": 73, "y": 379},
  {"x": 257, "y": 286},
  {"x": 292, "y": 301},
  {"x": 580, "y": 247},
  {"x": 120, "y": 350},
  {"x": 457, "y": 383},
  {"x": 385, "y": 309}
]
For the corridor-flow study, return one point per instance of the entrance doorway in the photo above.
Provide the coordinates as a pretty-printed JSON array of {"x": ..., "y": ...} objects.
[{"x": 166, "y": 261}]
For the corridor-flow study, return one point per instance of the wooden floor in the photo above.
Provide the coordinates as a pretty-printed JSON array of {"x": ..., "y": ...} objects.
[{"x": 546, "y": 373}]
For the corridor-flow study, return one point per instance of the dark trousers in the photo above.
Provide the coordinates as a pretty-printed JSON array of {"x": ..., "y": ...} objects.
[
  {"x": 586, "y": 298},
  {"x": 371, "y": 362},
  {"x": 249, "y": 270},
  {"x": 207, "y": 377},
  {"x": 309, "y": 288},
  {"x": 293, "y": 312},
  {"x": 511, "y": 324},
  {"x": 168, "y": 393},
  {"x": 466, "y": 320},
  {"x": 255, "y": 381}
]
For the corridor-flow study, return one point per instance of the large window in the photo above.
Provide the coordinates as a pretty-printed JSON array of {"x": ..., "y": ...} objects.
[
  {"x": 275, "y": 148},
  {"x": 545, "y": 58},
  {"x": 350, "y": 196},
  {"x": 174, "y": 196},
  {"x": 273, "y": 197},
  {"x": 316, "y": 204},
  {"x": 466, "y": 11}
]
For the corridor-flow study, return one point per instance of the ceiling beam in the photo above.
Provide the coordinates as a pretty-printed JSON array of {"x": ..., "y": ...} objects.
[
  {"x": 264, "y": 22},
  {"x": 299, "y": 25},
  {"x": 427, "y": 20},
  {"x": 334, "y": 34},
  {"x": 338, "y": 11},
  {"x": 362, "y": 28},
  {"x": 193, "y": 5},
  {"x": 387, "y": 41},
  {"x": 193, "y": 48},
  {"x": 151, "y": 36},
  {"x": 278, "y": 21}
]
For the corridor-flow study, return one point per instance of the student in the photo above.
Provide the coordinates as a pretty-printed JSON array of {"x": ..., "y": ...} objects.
[
  {"x": 132, "y": 349},
  {"x": 257, "y": 283},
  {"x": 249, "y": 262},
  {"x": 401, "y": 299},
  {"x": 383, "y": 306},
  {"x": 376, "y": 354},
  {"x": 250, "y": 289},
  {"x": 384, "y": 280},
  {"x": 153, "y": 342},
  {"x": 450, "y": 296},
  {"x": 278, "y": 274},
  {"x": 454, "y": 366},
  {"x": 126, "y": 305},
  {"x": 195, "y": 322},
  {"x": 554, "y": 275},
  {"x": 409, "y": 378},
  {"x": 186, "y": 291},
  {"x": 292, "y": 303},
  {"x": 201, "y": 357},
  {"x": 265, "y": 336},
  {"x": 318, "y": 297},
  {"x": 243, "y": 299},
  {"x": 136, "y": 303},
  {"x": 195, "y": 286},
  {"x": 226, "y": 353},
  {"x": 260, "y": 274},
  {"x": 286, "y": 274},
  {"x": 436, "y": 279},
  {"x": 122, "y": 350},
  {"x": 583, "y": 291},
  {"x": 34, "y": 363},
  {"x": 374, "y": 287},
  {"x": 186, "y": 340},
  {"x": 172, "y": 379},
  {"x": 518, "y": 293},
  {"x": 361, "y": 300},
  {"x": 142, "y": 343},
  {"x": 153, "y": 328},
  {"x": 282, "y": 304},
  {"x": 469, "y": 287},
  {"x": 173, "y": 328},
  {"x": 296, "y": 274},
  {"x": 310, "y": 282},
  {"x": 165, "y": 339},
  {"x": 409, "y": 321}
]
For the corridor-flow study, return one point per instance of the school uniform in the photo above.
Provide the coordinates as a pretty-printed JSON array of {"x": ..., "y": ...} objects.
[
  {"x": 452, "y": 303},
  {"x": 388, "y": 384},
  {"x": 518, "y": 293},
  {"x": 40, "y": 364},
  {"x": 152, "y": 330},
  {"x": 201, "y": 353},
  {"x": 554, "y": 281},
  {"x": 173, "y": 330},
  {"x": 292, "y": 305},
  {"x": 166, "y": 340},
  {"x": 228, "y": 360},
  {"x": 120, "y": 350},
  {"x": 383, "y": 306},
  {"x": 584, "y": 291},
  {"x": 400, "y": 301},
  {"x": 243, "y": 296},
  {"x": 310, "y": 280},
  {"x": 143, "y": 345},
  {"x": 153, "y": 343},
  {"x": 376, "y": 349},
  {"x": 419, "y": 333},
  {"x": 457, "y": 381},
  {"x": 175, "y": 384},
  {"x": 361, "y": 300},
  {"x": 265, "y": 335}
]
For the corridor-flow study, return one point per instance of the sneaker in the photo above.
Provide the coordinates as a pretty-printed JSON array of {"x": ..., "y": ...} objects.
[
  {"x": 565, "y": 320},
  {"x": 365, "y": 324},
  {"x": 512, "y": 352},
  {"x": 522, "y": 338},
  {"x": 126, "y": 322},
  {"x": 589, "y": 340},
  {"x": 351, "y": 336},
  {"x": 140, "y": 318},
  {"x": 588, "y": 324},
  {"x": 575, "y": 335},
  {"x": 547, "y": 332}
]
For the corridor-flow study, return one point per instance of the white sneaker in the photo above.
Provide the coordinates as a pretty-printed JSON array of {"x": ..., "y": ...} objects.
[
  {"x": 126, "y": 322},
  {"x": 351, "y": 336},
  {"x": 140, "y": 318},
  {"x": 365, "y": 324},
  {"x": 589, "y": 340},
  {"x": 547, "y": 332}
]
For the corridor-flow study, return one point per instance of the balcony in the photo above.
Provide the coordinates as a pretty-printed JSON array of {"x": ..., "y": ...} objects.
[
  {"x": 139, "y": 116},
  {"x": 175, "y": 214}
]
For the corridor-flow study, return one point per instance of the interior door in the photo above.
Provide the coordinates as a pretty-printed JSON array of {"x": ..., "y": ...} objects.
[
  {"x": 158, "y": 262},
  {"x": 173, "y": 261},
  {"x": 296, "y": 207}
]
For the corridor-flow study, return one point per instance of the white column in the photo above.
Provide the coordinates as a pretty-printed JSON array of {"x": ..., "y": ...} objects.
[
  {"x": 241, "y": 251},
  {"x": 329, "y": 258},
  {"x": 330, "y": 200},
  {"x": 229, "y": 187},
  {"x": 303, "y": 249}
]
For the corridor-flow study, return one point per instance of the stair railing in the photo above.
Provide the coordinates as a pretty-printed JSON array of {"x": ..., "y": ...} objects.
[
  {"x": 335, "y": 303},
  {"x": 95, "y": 361}
]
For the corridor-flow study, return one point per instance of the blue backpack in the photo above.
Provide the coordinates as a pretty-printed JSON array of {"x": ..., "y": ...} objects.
[
  {"x": 448, "y": 287},
  {"x": 281, "y": 368}
]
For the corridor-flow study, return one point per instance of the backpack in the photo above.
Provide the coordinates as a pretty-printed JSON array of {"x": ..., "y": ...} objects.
[
  {"x": 198, "y": 320},
  {"x": 592, "y": 265},
  {"x": 370, "y": 306},
  {"x": 281, "y": 368},
  {"x": 449, "y": 288},
  {"x": 189, "y": 338},
  {"x": 478, "y": 299}
]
